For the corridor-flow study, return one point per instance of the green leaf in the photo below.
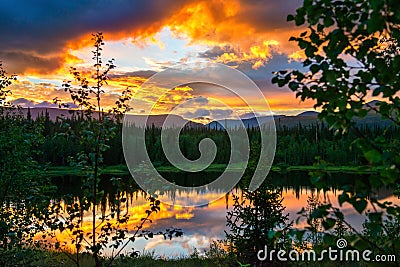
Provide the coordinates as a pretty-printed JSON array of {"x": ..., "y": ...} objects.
[
  {"x": 314, "y": 68},
  {"x": 344, "y": 197},
  {"x": 299, "y": 20},
  {"x": 290, "y": 18},
  {"x": 328, "y": 223},
  {"x": 330, "y": 76},
  {"x": 360, "y": 205},
  {"x": 328, "y": 21},
  {"x": 373, "y": 156}
]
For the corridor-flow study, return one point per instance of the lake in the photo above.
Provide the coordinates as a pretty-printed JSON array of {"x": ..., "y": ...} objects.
[{"x": 201, "y": 225}]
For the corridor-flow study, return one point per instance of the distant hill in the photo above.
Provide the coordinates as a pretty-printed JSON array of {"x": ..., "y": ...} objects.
[
  {"x": 294, "y": 121},
  {"x": 372, "y": 104},
  {"x": 308, "y": 113},
  {"x": 310, "y": 118},
  {"x": 248, "y": 123},
  {"x": 305, "y": 119},
  {"x": 156, "y": 120}
]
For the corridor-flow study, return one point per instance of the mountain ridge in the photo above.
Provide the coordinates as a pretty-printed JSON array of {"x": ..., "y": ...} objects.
[{"x": 305, "y": 118}]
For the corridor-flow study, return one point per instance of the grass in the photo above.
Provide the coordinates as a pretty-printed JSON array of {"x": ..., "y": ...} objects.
[
  {"x": 342, "y": 169},
  {"x": 70, "y": 170},
  {"x": 42, "y": 257},
  {"x": 123, "y": 169}
]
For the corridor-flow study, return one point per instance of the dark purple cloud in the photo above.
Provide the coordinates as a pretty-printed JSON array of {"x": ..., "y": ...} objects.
[
  {"x": 46, "y": 25},
  {"x": 216, "y": 51},
  {"x": 199, "y": 113},
  {"x": 268, "y": 15},
  {"x": 20, "y": 61},
  {"x": 33, "y": 31},
  {"x": 141, "y": 73},
  {"x": 39, "y": 32}
]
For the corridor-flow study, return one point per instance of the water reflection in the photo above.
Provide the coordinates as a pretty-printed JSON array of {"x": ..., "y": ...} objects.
[{"x": 203, "y": 224}]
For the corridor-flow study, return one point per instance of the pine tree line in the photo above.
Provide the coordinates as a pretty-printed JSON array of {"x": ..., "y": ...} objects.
[{"x": 296, "y": 146}]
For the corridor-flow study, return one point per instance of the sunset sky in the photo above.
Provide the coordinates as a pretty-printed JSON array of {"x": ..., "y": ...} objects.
[{"x": 40, "y": 40}]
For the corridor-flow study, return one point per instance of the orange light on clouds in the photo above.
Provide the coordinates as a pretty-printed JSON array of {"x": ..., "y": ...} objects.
[
  {"x": 297, "y": 55},
  {"x": 184, "y": 216},
  {"x": 209, "y": 23},
  {"x": 258, "y": 55}
]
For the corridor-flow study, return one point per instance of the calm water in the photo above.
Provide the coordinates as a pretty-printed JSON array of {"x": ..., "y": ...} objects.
[{"x": 203, "y": 224}]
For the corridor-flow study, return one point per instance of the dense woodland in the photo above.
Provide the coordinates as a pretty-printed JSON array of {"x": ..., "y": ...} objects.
[{"x": 296, "y": 146}]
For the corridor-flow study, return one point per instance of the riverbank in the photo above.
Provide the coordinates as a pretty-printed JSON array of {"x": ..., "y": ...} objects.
[{"x": 123, "y": 169}]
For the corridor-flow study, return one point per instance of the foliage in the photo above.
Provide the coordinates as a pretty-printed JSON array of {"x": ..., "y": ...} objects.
[
  {"x": 94, "y": 133},
  {"x": 5, "y": 81},
  {"x": 383, "y": 233},
  {"x": 352, "y": 53},
  {"x": 24, "y": 193},
  {"x": 252, "y": 222},
  {"x": 314, "y": 227},
  {"x": 218, "y": 253},
  {"x": 37, "y": 257}
]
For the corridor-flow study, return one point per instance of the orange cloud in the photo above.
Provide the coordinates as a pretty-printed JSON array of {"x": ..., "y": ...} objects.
[
  {"x": 174, "y": 97},
  {"x": 254, "y": 31},
  {"x": 245, "y": 25},
  {"x": 258, "y": 55}
]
